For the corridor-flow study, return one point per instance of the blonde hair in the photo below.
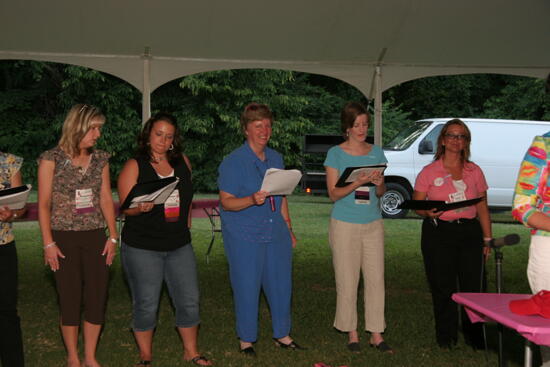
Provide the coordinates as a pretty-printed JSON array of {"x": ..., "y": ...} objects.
[
  {"x": 78, "y": 122},
  {"x": 465, "y": 153}
]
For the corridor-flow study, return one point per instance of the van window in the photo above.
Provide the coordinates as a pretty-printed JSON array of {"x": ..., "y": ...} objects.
[
  {"x": 406, "y": 137},
  {"x": 431, "y": 137}
]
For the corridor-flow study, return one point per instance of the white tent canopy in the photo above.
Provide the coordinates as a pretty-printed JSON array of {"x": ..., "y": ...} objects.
[{"x": 148, "y": 43}]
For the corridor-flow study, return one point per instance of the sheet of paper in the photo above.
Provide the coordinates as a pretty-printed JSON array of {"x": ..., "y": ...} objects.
[
  {"x": 15, "y": 201},
  {"x": 367, "y": 170},
  {"x": 280, "y": 181},
  {"x": 158, "y": 197}
]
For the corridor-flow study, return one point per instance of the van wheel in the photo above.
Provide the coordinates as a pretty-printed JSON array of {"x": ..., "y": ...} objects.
[{"x": 395, "y": 194}]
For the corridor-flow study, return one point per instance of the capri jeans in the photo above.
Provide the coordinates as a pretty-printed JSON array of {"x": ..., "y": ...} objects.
[{"x": 146, "y": 270}]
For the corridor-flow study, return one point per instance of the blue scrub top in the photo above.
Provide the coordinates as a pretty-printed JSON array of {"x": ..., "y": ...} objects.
[{"x": 241, "y": 174}]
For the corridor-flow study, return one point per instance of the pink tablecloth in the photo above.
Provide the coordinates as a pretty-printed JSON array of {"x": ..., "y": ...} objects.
[{"x": 482, "y": 307}]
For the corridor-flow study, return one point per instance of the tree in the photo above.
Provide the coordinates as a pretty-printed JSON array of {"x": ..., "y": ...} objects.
[{"x": 521, "y": 99}]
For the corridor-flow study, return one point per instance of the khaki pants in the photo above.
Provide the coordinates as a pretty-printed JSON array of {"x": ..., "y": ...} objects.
[{"x": 358, "y": 248}]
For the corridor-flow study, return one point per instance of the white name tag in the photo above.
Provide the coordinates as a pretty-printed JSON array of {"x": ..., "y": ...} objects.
[
  {"x": 362, "y": 195},
  {"x": 457, "y": 196},
  {"x": 84, "y": 201},
  {"x": 173, "y": 200}
]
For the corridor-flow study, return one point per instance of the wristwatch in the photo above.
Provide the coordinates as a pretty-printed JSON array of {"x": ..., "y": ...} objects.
[{"x": 113, "y": 240}]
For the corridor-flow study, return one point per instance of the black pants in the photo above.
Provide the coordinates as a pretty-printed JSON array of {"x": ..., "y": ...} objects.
[
  {"x": 11, "y": 343},
  {"x": 452, "y": 255},
  {"x": 83, "y": 276}
]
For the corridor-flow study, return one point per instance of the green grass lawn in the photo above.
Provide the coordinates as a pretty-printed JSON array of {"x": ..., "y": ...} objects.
[{"x": 408, "y": 304}]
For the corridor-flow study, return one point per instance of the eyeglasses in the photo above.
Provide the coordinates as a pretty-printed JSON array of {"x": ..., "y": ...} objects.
[{"x": 455, "y": 137}]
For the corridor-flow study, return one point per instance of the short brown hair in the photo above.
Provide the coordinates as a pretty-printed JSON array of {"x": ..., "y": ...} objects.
[
  {"x": 254, "y": 112},
  {"x": 465, "y": 154},
  {"x": 349, "y": 114}
]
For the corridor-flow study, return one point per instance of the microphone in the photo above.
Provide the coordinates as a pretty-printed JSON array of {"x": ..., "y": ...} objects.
[{"x": 508, "y": 240}]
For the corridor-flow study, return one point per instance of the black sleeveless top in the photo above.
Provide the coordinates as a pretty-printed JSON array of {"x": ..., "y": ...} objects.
[{"x": 150, "y": 231}]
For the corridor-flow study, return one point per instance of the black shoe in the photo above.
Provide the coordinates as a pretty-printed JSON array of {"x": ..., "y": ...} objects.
[
  {"x": 446, "y": 344},
  {"x": 248, "y": 351},
  {"x": 475, "y": 344},
  {"x": 292, "y": 345},
  {"x": 354, "y": 347},
  {"x": 383, "y": 347}
]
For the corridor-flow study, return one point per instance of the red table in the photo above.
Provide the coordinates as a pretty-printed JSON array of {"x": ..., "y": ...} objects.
[{"x": 483, "y": 307}]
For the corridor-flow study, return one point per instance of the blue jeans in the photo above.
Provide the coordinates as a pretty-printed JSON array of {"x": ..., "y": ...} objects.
[{"x": 146, "y": 270}]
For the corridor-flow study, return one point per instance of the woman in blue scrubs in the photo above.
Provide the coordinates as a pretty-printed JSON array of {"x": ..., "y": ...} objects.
[{"x": 257, "y": 233}]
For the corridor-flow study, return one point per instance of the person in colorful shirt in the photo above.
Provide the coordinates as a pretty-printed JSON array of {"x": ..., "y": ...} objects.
[
  {"x": 156, "y": 238},
  {"x": 531, "y": 206},
  {"x": 11, "y": 342},
  {"x": 356, "y": 232},
  {"x": 74, "y": 205},
  {"x": 453, "y": 241},
  {"x": 257, "y": 233}
]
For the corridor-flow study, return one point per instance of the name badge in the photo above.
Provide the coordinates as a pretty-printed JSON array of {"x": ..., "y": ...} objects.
[
  {"x": 84, "y": 201},
  {"x": 172, "y": 207},
  {"x": 362, "y": 195},
  {"x": 457, "y": 196}
]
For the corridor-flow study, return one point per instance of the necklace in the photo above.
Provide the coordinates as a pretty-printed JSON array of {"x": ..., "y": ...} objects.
[{"x": 157, "y": 159}]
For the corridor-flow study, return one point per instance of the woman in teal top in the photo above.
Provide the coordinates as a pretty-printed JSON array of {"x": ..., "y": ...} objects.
[{"x": 356, "y": 232}]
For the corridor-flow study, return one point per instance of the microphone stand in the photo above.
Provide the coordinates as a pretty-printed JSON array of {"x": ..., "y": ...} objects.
[{"x": 498, "y": 268}]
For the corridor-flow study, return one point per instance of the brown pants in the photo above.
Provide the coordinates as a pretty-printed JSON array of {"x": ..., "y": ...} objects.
[{"x": 83, "y": 276}]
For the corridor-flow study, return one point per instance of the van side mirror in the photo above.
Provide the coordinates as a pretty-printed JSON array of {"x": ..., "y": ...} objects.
[{"x": 426, "y": 147}]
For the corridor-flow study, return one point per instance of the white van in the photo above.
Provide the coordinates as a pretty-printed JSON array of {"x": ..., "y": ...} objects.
[{"x": 497, "y": 146}]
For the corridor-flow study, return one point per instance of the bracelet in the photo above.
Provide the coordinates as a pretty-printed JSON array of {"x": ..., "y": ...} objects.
[
  {"x": 113, "y": 240},
  {"x": 49, "y": 245},
  {"x": 487, "y": 239}
]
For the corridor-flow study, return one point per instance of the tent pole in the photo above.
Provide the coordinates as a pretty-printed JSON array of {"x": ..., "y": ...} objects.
[
  {"x": 146, "y": 93},
  {"x": 378, "y": 107}
]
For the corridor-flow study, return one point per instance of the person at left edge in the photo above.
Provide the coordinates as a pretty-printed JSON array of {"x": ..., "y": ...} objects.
[
  {"x": 74, "y": 202},
  {"x": 156, "y": 241},
  {"x": 11, "y": 341},
  {"x": 257, "y": 233}
]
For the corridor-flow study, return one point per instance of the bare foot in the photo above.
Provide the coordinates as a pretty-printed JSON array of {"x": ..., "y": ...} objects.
[
  {"x": 353, "y": 337},
  {"x": 91, "y": 363}
]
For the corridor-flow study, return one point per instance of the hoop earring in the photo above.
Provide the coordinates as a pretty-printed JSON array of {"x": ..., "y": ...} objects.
[{"x": 171, "y": 147}]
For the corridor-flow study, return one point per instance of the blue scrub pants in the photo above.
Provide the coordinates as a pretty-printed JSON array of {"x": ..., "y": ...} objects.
[{"x": 256, "y": 266}]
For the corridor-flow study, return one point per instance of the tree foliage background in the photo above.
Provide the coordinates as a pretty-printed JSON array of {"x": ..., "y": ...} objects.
[{"x": 34, "y": 97}]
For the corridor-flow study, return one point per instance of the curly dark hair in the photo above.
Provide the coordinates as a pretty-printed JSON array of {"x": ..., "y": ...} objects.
[{"x": 175, "y": 156}]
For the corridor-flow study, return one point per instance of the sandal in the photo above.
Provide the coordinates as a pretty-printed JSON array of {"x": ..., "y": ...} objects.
[
  {"x": 292, "y": 345},
  {"x": 198, "y": 359},
  {"x": 383, "y": 347},
  {"x": 144, "y": 363}
]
